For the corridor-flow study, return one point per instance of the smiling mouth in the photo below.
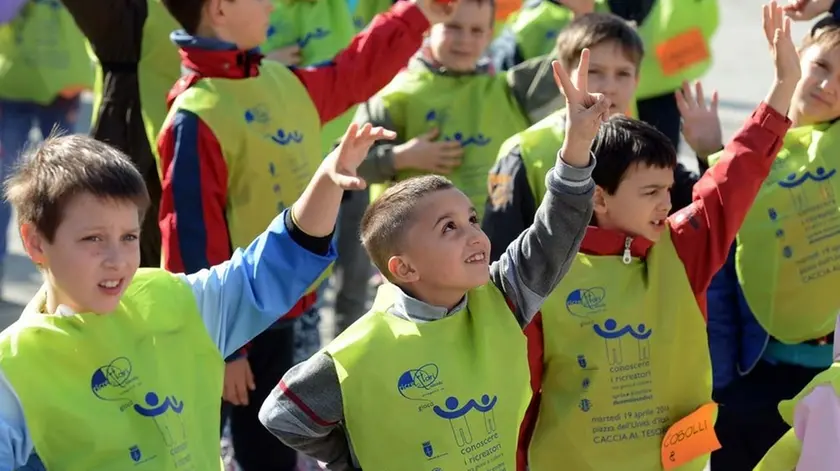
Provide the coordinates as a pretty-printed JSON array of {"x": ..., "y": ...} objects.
[{"x": 477, "y": 258}]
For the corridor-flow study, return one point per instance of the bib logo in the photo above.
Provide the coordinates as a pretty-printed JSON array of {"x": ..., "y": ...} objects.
[
  {"x": 457, "y": 415},
  {"x": 260, "y": 118},
  {"x": 420, "y": 383},
  {"x": 314, "y": 35},
  {"x": 440, "y": 118},
  {"x": 613, "y": 337},
  {"x": 114, "y": 382},
  {"x": 585, "y": 302},
  {"x": 803, "y": 199}
]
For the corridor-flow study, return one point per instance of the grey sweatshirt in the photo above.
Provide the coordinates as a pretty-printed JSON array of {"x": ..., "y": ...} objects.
[{"x": 305, "y": 410}]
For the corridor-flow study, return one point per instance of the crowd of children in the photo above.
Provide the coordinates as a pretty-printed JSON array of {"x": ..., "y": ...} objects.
[{"x": 556, "y": 290}]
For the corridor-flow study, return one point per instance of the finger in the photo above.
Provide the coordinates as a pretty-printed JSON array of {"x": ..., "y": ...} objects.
[
  {"x": 701, "y": 98},
  {"x": 249, "y": 378},
  {"x": 682, "y": 104},
  {"x": 601, "y": 108},
  {"x": 688, "y": 95},
  {"x": 715, "y": 100},
  {"x": 564, "y": 83},
  {"x": 380, "y": 134},
  {"x": 363, "y": 131},
  {"x": 350, "y": 133},
  {"x": 242, "y": 393},
  {"x": 226, "y": 393},
  {"x": 431, "y": 135},
  {"x": 441, "y": 169},
  {"x": 582, "y": 75},
  {"x": 348, "y": 182},
  {"x": 451, "y": 152},
  {"x": 767, "y": 24},
  {"x": 786, "y": 28}
]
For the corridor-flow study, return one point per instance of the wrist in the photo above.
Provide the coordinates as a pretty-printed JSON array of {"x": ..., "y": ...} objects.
[
  {"x": 401, "y": 157},
  {"x": 575, "y": 152}
]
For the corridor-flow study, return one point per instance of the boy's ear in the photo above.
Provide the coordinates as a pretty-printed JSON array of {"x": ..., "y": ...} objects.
[
  {"x": 33, "y": 243},
  {"x": 599, "y": 201},
  {"x": 401, "y": 270}
]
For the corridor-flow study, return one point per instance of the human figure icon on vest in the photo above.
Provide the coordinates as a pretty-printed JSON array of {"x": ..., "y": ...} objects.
[
  {"x": 457, "y": 419},
  {"x": 612, "y": 340},
  {"x": 170, "y": 425}
]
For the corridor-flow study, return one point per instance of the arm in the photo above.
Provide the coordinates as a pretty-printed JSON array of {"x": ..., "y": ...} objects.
[
  {"x": 371, "y": 60},
  {"x": 817, "y": 425},
  {"x": 305, "y": 409},
  {"x": 240, "y": 298},
  {"x": 511, "y": 206},
  {"x": 9, "y": 10},
  {"x": 16, "y": 445},
  {"x": 703, "y": 232},
  {"x": 193, "y": 227},
  {"x": 534, "y": 263},
  {"x": 378, "y": 166}
]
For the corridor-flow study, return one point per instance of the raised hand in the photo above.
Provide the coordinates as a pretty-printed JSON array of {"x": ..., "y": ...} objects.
[
  {"x": 777, "y": 32},
  {"x": 804, "y": 10},
  {"x": 437, "y": 11},
  {"x": 700, "y": 122},
  {"x": 346, "y": 158},
  {"x": 425, "y": 153},
  {"x": 584, "y": 111}
]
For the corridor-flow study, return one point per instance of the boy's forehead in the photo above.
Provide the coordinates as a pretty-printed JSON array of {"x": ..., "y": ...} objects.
[
  {"x": 436, "y": 205},
  {"x": 643, "y": 174},
  {"x": 825, "y": 52},
  {"x": 473, "y": 12},
  {"x": 86, "y": 209},
  {"x": 609, "y": 53}
]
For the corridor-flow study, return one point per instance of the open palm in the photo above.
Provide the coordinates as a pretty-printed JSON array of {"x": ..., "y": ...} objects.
[{"x": 351, "y": 152}]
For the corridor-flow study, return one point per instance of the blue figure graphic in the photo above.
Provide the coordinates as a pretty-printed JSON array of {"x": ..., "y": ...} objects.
[
  {"x": 585, "y": 384},
  {"x": 642, "y": 334},
  {"x": 787, "y": 251},
  {"x": 135, "y": 454},
  {"x": 317, "y": 33},
  {"x": 486, "y": 408},
  {"x": 457, "y": 419},
  {"x": 799, "y": 197},
  {"x": 170, "y": 425},
  {"x": 612, "y": 340},
  {"x": 585, "y": 405},
  {"x": 581, "y": 361},
  {"x": 285, "y": 138}
]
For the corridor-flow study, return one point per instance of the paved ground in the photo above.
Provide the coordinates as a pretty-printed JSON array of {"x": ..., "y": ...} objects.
[{"x": 742, "y": 73}]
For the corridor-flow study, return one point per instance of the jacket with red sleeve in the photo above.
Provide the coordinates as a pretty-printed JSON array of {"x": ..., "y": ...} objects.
[
  {"x": 702, "y": 232},
  {"x": 192, "y": 215}
]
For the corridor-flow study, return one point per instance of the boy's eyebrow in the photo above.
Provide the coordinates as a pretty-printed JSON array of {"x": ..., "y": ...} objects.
[
  {"x": 450, "y": 215},
  {"x": 655, "y": 185}
]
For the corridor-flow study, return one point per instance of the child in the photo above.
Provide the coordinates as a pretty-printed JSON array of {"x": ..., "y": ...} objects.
[
  {"x": 620, "y": 349},
  {"x": 43, "y": 71},
  {"x": 616, "y": 51},
  {"x": 450, "y": 112},
  {"x": 772, "y": 307},
  {"x": 440, "y": 339},
  {"x": 814, "y": 417},
  {"x": 131, "y": 366},
  {"x": 240, "y": 142}
]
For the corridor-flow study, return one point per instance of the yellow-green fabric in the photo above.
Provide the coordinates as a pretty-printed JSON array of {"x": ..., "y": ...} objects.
[
  {"x": 42, "y": 53},
  {"x": 479, "y": 111},
  {"x": 625, "y": 356},
  {"x": 270, "y": 152},
  {"x": 536, "y": 27},
  {"x": 454, "y": 391},
  {"x": 137, "y": 388},
  {"x": 787, "y": 253}
]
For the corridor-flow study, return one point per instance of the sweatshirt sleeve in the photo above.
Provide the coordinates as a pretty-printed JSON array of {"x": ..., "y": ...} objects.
[
  {"x": 537, "y": 260},
  {"x": 16, "y": 446},
  {"x": 305, "y": 411},
  {"x": 240, "y": 298},
  {"x": 703, "y": 231}
]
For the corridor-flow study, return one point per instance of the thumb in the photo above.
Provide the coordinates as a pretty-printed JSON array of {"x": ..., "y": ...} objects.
[
  {"x": 431, "y": 135},
  {"x": 600, "y": 108},
  {"x": 348, "y": 182}
]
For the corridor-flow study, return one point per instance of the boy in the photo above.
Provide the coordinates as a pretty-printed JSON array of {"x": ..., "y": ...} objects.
[
  {"x": 772, "y": 307},
  {"x": 43, "y": 71},
  {"x": 240, "y": 142},
  {"x": 404, "y": 378},
  {"x": 620, "y": 350},
  {"x": 616, "y": 51},
  {"x": 450, "y": 111},
  {"x": 134, "y": 362}
]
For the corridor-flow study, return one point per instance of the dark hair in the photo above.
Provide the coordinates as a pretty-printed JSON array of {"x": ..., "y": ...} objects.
[
  {"x": 622, "y": 142},
  {"x": 186, "y": 12},
  {"x": 592, "y": 29},
  {"x": 64, "y": 166},
  {"x": 390, "y": 216}
]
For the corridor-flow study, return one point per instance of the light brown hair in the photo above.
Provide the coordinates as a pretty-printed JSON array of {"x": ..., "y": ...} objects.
[
  {"x": 64, "y": 166},
  {"x": 592, "y": 29},
  {"x": 825, "y": 34},
  {"x": 387, "y": 219}
]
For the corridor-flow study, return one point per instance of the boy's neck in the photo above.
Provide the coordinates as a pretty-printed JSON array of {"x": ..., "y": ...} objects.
[{"x": 448, "y": 299}]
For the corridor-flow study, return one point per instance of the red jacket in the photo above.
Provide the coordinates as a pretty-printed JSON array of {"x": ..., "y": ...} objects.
[
  {"x": 702, "y": 232},
  {"x": 192, "y": 219}
]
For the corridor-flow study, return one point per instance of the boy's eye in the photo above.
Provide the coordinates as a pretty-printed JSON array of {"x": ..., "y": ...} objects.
[
  {"x": 92, "y": 239},
  {"x": 130, "y": 237},
  {"x": 449, "y": 226},
  {"x": 473, "y": 219}
]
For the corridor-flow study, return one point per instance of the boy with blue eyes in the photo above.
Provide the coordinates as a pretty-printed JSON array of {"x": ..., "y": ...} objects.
[{"x": 450, "y": 111}]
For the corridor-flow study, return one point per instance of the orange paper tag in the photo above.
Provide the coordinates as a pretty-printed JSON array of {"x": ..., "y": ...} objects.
[
  {"x": 505, "y": 8},
  {"x": 692, "y": 436},
  {"x": 682, "y": 51}
]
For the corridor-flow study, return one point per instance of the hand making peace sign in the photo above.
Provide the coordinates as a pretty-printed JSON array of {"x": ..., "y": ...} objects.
[{"x": 584, "y": 111}]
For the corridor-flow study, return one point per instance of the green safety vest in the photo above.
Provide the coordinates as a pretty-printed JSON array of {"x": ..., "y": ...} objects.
[
  {"x": 784, "y": 455},
  {"x": 366, "y": 9},
  {"x": 42, "y": 53},
  {"x": 537, "y": 24},
  {"x": 476, "y": 110},
  {"x": 788, "y": 249},
  {"x": 454, "y": 391},
  {"x": 269, "y": 132},
  {"x": 538, "y": 147},
  {"x": 321, "y": 29},
  {"x": 625, "y": 356},
  {"x": 137, "y": 388}
]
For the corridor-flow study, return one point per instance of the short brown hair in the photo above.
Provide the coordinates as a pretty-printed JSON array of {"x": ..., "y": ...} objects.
[
  {"x": 186, "y": 12},
  {"x": 64, "y": 166},
  {"x": 388, "y": 218},
  {"x": 825, "y": 33},
  {"x": 592, "y": 29}
]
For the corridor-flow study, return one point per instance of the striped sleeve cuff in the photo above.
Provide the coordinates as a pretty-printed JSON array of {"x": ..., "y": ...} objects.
[{"x": 565, "y": 178}]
